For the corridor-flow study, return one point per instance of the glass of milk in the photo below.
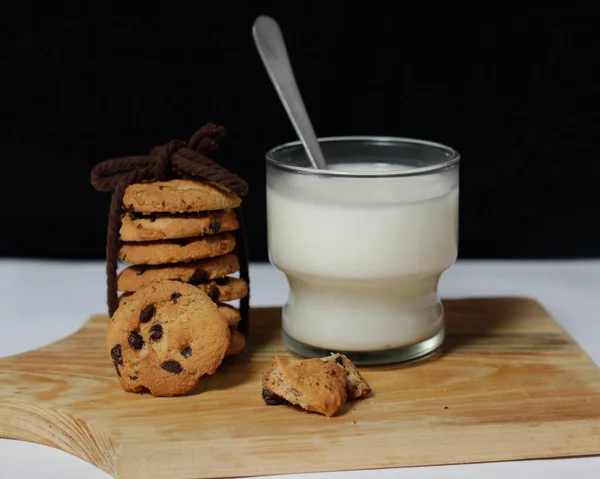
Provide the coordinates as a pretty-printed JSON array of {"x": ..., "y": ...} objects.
[{"x": 363, "y": 245}]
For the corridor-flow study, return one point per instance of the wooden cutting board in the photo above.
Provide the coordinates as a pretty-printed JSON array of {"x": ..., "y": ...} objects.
[{"x": 508, "y": 384}]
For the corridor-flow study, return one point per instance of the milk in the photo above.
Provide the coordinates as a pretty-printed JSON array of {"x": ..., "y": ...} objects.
[{"x": 363, "y": 256}]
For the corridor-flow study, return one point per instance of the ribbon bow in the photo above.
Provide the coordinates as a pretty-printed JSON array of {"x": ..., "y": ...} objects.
[
  {"x": 173, "y": 159},
  {"x": 164, "y": 162}
]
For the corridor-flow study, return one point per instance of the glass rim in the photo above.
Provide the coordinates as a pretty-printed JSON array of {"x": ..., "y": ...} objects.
[{"x": 377, "y": 140}]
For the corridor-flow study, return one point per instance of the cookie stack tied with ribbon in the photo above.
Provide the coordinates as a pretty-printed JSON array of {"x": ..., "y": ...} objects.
[{"x": 176, "y": 219}]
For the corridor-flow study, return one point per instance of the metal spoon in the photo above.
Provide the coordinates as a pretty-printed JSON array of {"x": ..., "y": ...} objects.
[{"x": 271, "y": 47}]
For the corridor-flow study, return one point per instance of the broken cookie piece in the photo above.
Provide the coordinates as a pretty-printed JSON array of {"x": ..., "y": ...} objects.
[
  {"x": 312, "y": 384},
  {"x": 357, "y": 386}
]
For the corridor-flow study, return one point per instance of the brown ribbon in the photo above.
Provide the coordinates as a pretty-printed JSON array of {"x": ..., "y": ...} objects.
[{"x": 174, "y": 159}]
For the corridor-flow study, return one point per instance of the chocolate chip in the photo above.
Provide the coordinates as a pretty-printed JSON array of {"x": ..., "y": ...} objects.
[
  {"x": 147, "y": 313},
  {"x": 161, "y": 187},
  {"x": 339, "y": 360},
  {"x": 156, "y": 332},
  {"x": 138, "y": 226},
  {"x": 199, "y": 276},
  {"x": 175, "y": 297},
  {"x": 187, "y": 352},
  {"x": 213, "y": 294},
  {"x": 140, "y": 271},
  {"x": 115, "y": 354},
  {"x": 215, "y": 226},
  {"x": 172, "y": 367},
  {"x": 117, "y": 369},
  {"x": 272, "y": 399},
  {"x": 135, "y": 340},
  {"x": 132, "y": 378},
  {"x": 164, "y": 204},
  {"x": 222, "y": 281}
]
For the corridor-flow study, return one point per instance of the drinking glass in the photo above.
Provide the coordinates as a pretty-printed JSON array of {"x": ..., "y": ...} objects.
[{"x": 363, "y": 245}]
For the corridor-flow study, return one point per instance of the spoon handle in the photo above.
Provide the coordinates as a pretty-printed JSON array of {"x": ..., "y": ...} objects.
[{"x": 271, "y": 47}]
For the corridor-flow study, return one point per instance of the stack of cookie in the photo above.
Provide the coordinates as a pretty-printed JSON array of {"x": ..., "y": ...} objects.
[{"x": 183, "y": 230}]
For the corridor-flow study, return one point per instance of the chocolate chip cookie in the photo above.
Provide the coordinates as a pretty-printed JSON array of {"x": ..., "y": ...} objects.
[
  {"x": 195, "y": 272},
  {"x": 312, "y": 384},
  {"x": 231, "y": 315},
  {"x": 165, "y": 337},
  {"x": 178, "y": 196},
  {"x": 177, "y": 251},
  {"x": 137, "y": 227},
  {"x": 238, "y": 343},
  {"x": 225, "y": 289}
]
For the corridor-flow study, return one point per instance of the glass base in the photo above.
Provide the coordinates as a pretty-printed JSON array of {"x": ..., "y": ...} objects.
[{"x": 413, "y": 352}]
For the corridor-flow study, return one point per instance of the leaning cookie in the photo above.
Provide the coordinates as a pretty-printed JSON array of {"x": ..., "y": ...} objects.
[
  {"x": 138, "y": 227},
  {"x": 312, "y": 384},
  {"x": 177, "y": 251},
  {"x": 165, "y": 337},
  {"x": 178, "y": 196},
  {"x": 194, "y": 272}
]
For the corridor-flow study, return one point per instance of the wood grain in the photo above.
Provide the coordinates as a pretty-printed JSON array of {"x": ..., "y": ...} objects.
[{"x": 508, "y": 384}]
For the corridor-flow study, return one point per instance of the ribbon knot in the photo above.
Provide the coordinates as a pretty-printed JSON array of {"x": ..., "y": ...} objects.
[
  {"x": 162, "y": 156},
  {"x": 175, "y": 158},
  {"x": 171, "y": 160}
]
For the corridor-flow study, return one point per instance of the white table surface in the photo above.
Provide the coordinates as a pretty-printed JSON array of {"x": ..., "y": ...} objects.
[{"x": 42, "y": 301}]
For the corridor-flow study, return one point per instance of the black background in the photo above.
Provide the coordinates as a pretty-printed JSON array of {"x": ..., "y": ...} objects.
[{"x": 512, "y": 90}]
